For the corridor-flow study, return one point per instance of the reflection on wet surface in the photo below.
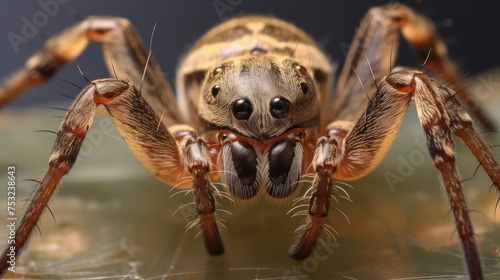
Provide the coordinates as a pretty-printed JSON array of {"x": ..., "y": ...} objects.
[{"x": 113, "y": 221}]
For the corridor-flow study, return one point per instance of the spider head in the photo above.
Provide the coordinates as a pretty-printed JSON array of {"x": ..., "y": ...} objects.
[
  {"x": 262, "y": 107},
  {"x": 260, "y": 96}
]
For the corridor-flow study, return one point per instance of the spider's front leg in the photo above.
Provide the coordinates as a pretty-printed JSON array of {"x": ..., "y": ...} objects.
[
  {"x": 197, "y": 159},
  {"x": 153, "y": 144},
  {"x": 325, "y": 162},
  {"x": 350, "y": 151}
]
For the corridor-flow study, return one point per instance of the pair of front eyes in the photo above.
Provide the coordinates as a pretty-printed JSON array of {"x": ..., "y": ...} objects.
[{"x": 279, "y": 106}]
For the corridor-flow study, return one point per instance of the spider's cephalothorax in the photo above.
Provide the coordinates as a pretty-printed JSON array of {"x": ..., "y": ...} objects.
[
  {"x": 259, "y": 107},
  {"x": 258, "y": 100},
  {"x": 254, "y": 110}
]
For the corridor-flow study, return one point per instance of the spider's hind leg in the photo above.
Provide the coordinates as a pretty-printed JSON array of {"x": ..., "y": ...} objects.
[{"x": 374, "y": 49}]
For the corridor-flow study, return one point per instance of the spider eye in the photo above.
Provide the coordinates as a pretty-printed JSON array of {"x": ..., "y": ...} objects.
[
  {"x": 304, "y": 87},
  {"x": 223, "y": 137},
  {"x": 280, "y": 107},
  {"x": 242, "y": 109},
  {"x": 301, "y": 69},
  {"x": 215, "y": 90},
  {"x": 217, "y": 71}
]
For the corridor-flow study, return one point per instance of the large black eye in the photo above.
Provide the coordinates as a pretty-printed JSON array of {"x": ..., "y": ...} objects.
[
  {"x": 280, "y": 107},
  {"x": 242, "y": 109},
  {"x": 215, "y": 90},
  {"x": 304, "y": 87}
]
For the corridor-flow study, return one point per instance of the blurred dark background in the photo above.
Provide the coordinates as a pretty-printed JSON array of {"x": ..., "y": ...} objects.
[{"x": 470, "y": 30}]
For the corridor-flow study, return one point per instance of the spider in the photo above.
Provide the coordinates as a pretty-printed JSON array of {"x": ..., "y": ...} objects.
[{"x": 254, "y": 105}]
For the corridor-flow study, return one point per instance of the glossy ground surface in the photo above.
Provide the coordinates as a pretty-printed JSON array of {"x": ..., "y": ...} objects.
[{"x": 114, "y": 221}]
